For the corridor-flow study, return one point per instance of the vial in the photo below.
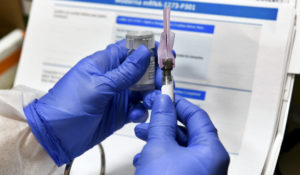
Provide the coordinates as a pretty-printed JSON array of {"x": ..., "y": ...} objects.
[{"x": 133, "y": 41}]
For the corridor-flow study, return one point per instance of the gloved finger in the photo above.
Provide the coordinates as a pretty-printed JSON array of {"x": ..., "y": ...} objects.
[
  {"x": 163, "y": 122},
  {"x": 141, "y": 131},
  {"x": 196, "y": 120},
  {"x": 158, "y": 78},
  {"x": 134, "y": 97},
  {"x": 118, "y": 51},
  {"x": 174, "y": 53},
  {"x": 155, "y": 53},
  {"x": 131, "y": 70},
  {"x": 138, "y": 113},
  {"x": 149, "y": 97},
  {"x": 110, "y": 58},
  {"x": 136, "y": 159},
  {"x": 182, "y": 136}
]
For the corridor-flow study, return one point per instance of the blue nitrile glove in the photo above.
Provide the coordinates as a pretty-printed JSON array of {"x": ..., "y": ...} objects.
[
  {"x": 203, "y": 153},
  {"x": 90, "y": 102}
]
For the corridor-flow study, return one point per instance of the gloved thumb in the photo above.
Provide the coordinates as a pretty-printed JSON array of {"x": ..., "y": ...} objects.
[
  {"x": 131, "y": 70},
  {"x": 163, "y": 122}
]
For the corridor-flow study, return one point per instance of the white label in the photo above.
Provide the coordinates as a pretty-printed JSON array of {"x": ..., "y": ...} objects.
[{"x": 149, "y": 76}]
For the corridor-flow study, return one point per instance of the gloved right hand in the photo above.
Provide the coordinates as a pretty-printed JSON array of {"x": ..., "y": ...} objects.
[{"x": 203, "y": 153}]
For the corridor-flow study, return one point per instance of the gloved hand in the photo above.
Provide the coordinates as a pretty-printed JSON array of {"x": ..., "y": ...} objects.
[
  {"x": 201, "y": 152},
  {"x": 90, "y": 102}
]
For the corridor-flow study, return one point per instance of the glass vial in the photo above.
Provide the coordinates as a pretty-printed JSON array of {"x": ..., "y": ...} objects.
[{"x": 133, "y": 41}]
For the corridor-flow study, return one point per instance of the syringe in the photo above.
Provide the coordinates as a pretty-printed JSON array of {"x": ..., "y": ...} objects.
[{"x": 166, "y": 58}]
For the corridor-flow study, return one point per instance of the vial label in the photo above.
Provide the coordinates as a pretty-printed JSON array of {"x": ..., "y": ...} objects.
[{"x": 147, "y": 82}]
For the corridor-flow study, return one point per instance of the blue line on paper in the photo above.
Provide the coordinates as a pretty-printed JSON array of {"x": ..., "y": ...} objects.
[
  {"x": 231, "y": 10},
  {"x": 144, "y": 22}
]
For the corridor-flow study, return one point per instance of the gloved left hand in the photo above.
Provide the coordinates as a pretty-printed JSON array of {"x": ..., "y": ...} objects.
[
  {"x": 90, "y": 102},
  {"x": 194, "y": 149}
]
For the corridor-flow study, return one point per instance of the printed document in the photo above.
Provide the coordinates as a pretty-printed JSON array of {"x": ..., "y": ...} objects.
[{"x": 231, "y": 61}]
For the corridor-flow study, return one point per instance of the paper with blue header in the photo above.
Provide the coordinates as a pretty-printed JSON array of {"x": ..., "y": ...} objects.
[{"x": 230, "y": 60}]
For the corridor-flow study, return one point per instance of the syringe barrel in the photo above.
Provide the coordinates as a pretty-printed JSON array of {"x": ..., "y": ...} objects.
[{"x": 167, "y": 87}]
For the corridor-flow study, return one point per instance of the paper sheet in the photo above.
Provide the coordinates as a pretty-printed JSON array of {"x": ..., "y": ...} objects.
[{"x": 230, "y": 62}]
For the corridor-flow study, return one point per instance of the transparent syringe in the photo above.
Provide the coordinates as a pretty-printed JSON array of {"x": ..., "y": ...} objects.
[{"x": 166, "y": 58}]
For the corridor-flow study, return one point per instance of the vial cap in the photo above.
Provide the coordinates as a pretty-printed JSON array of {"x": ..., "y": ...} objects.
[{"x": 137, "y": 38}]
